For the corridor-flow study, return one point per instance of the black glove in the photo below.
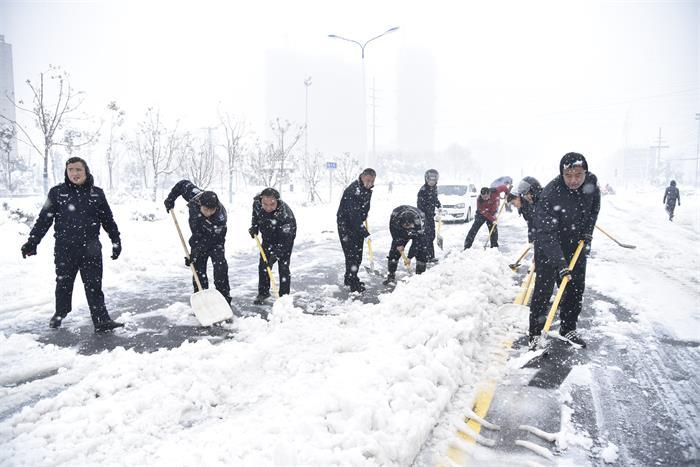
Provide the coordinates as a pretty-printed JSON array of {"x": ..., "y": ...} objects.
[
  {"x": 364, "y": 232},
  {"x": 116, "y": 250},
  {"x": 253, "y": 231},
  {"x": 28, "y": 249},
  {"x": 564, "y": 272},
  {"x": 169, "y": 204},
  {"x": 587, "y": 239},
  {"x": 187, "y": 261}
]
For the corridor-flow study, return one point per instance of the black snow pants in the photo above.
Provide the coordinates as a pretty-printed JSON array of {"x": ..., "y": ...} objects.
[
  {"x": 218, "y": 259},
  {"x": 479, "y": 220},
  {"x": 352, "y": 243},
  {"x": 69, "y": 259},
  {"x": 282, "y": 266},
  {"x": 670, "y": 208},
  {"x": 427, "y": 242},
  {"x": 570, "y": 305},
  {"x": 418, "y": 248}
]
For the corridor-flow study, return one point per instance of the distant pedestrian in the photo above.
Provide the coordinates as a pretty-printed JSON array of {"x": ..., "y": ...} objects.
[
  {"x": 671, "y": 196},
  {"x": 352, "y": 213},
  {"x": 77, "y": 209},
  {"x": 407, "y": 224},
  {"x": 208, "y": 226},
  {"x": 428, "y": 203},
  {"x": 274, "y": 219},
  {"x": 565, "y": 214},
  {"x": 486, "y": 210},
  {"x": 391, "y": 187}
]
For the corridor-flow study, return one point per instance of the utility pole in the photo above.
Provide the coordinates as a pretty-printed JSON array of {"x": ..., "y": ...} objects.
[
  {"x": 659, "y": 146},
  {"x": 374, "y": 121}
]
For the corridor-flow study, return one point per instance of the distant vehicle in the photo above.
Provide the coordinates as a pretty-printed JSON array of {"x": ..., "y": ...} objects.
[{"x": 457, "y": 202}]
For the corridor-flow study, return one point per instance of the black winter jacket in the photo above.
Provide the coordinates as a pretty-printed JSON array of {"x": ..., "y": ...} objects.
[
  {"x": 77, "y": 212},
  {"x": 428, "y": 200},
  {"x": 672, "y": 195},
  {"x": 206, "y": 231},
  {"x": 527, "y": 210},
  {"x": 564, "y": 216},
  {"x": 278, "y": 228},
  {"x": 354, "y": 208},
  {"x": 398, "y": 232}
]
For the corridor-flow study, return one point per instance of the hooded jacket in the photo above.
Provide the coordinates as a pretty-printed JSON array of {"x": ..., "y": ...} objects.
[
  {"x": 354, "y": 208},
  {"x": 428, "y": 200},
  {"x": 400, "y": 234},
  {"x": 76, "y": 212},
  {"x": 206, "y": 231},
  {"x": 278, "y": 228}
]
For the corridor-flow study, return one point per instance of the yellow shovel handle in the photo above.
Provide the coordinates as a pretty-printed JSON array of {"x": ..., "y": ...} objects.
[
  {"x": 406, "y": 261},
  {"x": 560, "y": 292},
  {"x": 369, "y": 244},
  {"x": 269, "y": 271},
  {"x": 493, "y": 226}
]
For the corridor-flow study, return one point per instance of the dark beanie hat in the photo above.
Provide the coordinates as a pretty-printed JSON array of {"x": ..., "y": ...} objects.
[
  {"x": 73, "y": 160},
  {"x": 208, "y": 199},
  {"x": 572, "y": 159},
  {"x": 673, "y": 183}
]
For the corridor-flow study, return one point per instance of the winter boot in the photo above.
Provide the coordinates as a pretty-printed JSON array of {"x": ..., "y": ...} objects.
[
  {"x": 56, "y": 321},
  {"x": 574, "y": 338},
  {"x": 390, "y": 279},
  {"x": 420, "y": 267},
  {"x": 260, "y": 299},
  {"x": 357, "y": 286},
  {"x": 108, "y": 325}
]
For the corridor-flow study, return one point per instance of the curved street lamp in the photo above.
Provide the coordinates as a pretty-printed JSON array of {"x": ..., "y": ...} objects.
[{"x": 364, "y": 86}]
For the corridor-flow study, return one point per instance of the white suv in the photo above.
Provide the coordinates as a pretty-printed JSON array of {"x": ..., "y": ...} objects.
[{"x": 457, "y": 202}]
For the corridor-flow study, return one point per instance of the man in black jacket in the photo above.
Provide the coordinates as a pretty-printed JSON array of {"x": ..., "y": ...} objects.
[
  {"x": 352, "y": 213},
  {"x": 208, "y": 226},
  {"x": 77, "y": 209},
  {"x": 671, "y": 197},
  {"x": 407, "y": 223},
  {"x": 274, "y": 219},
  {"x": 524, "y": 197},
  {"x": 427, "y": 203},
  {"x": 565, "y": 214}
]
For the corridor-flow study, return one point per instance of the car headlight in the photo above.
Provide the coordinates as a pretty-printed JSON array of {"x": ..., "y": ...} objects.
[{"x": 460, "y": 206}]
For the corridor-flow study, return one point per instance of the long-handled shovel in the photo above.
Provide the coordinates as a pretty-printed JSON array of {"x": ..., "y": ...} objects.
[
  {"x": 623, "y": 245},
  {"x": 209, "y": 305},
  {"x": 371, "y": 269},
  {"x": 493, "y": 226},
  {"x": 519, "y": 305},
  {"x": 267, "y": 265},
  {"x": 560, "y": 293},
  {"x": 515, "y": 265},
  {"x": 406, "y": 261},
  {"x": 438, "y": 237}
]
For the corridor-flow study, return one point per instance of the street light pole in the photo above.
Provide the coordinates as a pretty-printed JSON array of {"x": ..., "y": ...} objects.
[
  {"x": 364, "y": 85},
  {"x": 307, "y": 83}
]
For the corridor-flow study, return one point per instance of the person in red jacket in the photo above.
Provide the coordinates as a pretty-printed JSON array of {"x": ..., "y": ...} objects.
[{"x": 486, "y": 208}]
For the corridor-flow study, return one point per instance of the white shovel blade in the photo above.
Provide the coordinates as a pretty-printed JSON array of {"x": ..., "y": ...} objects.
[{"x": 210, "y": 307}]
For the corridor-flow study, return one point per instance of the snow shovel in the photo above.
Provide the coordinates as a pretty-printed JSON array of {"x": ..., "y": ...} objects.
[
  {"x": 371, "y": 269},
  {"x": 267, "y": 265},
  {"x": 406, "y": 261},
  {"x": 209, "y": 305},
  {"x": 623, "y": 245},
  {"x": 438, "y": 237},
  {"x": 519, "y": 305},
  {"x": 515, "y": 265},
  {"x": 493, "y": 226},
  {"x": 560, "y": 293}
]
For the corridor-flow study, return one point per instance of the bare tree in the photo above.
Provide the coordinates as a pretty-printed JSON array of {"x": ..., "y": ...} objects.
[
  {"x": 9, "y": 163},
  {"x": 53, "y": 103},
  {"x": 262, "y": 165},
  {"x": 158, "y": 146},
  {"x": 283, "y": 150},
  {"x": 234, "y": 131},
  {"x": 116, "y": 121},
  {"x": 348, "y": 169},
  {"x": 198, "y": 161},
  {"x": 311, "y": 173}
]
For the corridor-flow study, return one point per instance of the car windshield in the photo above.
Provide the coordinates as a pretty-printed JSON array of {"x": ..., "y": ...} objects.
[{"x": 458, "y": 190}]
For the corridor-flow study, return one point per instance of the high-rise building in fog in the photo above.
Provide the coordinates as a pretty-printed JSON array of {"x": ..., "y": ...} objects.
[
  {"x": 416, "y": 103},
  {"x": 7, "y": 87}
]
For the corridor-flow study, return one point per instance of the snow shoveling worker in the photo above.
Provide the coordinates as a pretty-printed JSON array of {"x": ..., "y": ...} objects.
[
  {"x": 275, "y": 221},
  {"x": 486, "y": 210},
  {"x": 207, "y": 219},
  {"x": 352, "y": 213},
  {"x": 427, "y": 203},
  {"x": 407, "y": 223},
  {"x": 77, "y": 209},
  {"x": 524, "y": 197},
  {"x": 565, "y": 214},
  {"x": 671, "y": 196}
]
